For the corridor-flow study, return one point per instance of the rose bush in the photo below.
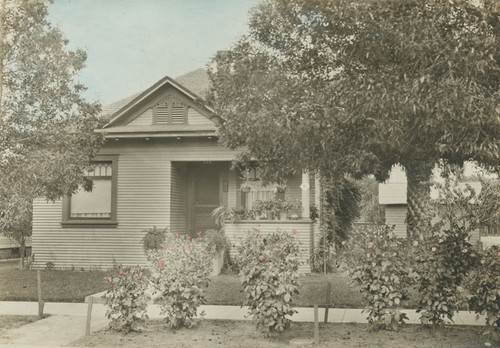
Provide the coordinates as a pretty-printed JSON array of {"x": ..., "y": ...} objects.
[
  {"x": 127, "y": 298},
  {"x": 269, "y": 274},
  {"x": 442, "y": 262},
  {"x": 484, "y": 287},
  {"x": 377, "y": 263},
  {"x": 180, "y": 273}
]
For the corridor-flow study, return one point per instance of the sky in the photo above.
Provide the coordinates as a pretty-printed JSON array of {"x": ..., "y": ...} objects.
[{"x": 131, "y": 44}]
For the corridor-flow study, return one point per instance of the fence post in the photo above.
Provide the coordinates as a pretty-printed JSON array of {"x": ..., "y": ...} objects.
[
  {"x": 41, "y": 303},
  {"x": 316, "y": 325},
  {"x": 327, "y": 307},
  {"x": 89, "y": 315}
]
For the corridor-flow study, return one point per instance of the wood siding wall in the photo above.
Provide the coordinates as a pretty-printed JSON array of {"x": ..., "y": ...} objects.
[
  {"x": 144, "y": 119},
  {"x": 293, "y": 190},
  {"x": 144, "y": 190},
  {"x": 194, "y": 117},
  {"x": 178, "y": 195},
  {"x": 7, "y": 243},
  {"x": 396, "y": 215},
  {"x": 235, "y": 232}
]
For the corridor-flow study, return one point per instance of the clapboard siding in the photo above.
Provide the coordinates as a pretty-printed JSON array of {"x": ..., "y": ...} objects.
[
  {"x": 293, "y": 190},
  {"x": 144, "y": 119},
  {"x": 194, "y": 117},
  {"x": 7, "y": 243},
  {"x": 143, "y": 196},
  {"x": 183, "y": 150},
  {"x": 178, "y": 203},
  {"x": 395, "y": 215},
  {"x": 235, "y": 232}
]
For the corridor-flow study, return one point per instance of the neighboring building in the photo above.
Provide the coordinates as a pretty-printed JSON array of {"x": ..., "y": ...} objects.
[
  {"x": 392, "y": 195},
  {"x": 9, "y": 248},
  {"x": 161, "y": 166}
]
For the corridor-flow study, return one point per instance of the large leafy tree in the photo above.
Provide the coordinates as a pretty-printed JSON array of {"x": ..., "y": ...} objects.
[
  {"x": 47, "y": 132},
  {"x": 355, "y": 87}
]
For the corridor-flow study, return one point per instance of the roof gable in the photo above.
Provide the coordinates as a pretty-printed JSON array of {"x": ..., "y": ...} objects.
[{"x": 166, "y": 100}]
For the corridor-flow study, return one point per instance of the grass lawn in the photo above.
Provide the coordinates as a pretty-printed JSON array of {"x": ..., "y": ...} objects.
[
  {"x": 57, "y": 286},
  {"x": 223, "y": 333},
  {"x": 8, "y": 322},
  {"x": 73, "y": 286},
  {"x": 226, "y": 289}
]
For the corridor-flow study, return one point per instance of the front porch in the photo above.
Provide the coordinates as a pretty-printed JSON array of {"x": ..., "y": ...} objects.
[{"x": 200, "y": 187}]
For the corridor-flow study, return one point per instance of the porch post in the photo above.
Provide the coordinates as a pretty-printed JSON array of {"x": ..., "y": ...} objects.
[{"x": 305, "y": 195}]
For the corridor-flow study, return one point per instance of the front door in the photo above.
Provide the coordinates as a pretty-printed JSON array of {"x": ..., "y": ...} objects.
[{"x": 205, "y": 196}]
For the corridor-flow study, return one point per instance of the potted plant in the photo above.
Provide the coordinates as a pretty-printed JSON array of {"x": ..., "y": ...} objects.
[
  {"x": 258, "y": 208},
  {"x": 220, "y": 215},
  {"x": 269, "y": 208},
  {"x": 217, "y": 243},
  {"x": 237, "y": 214},
  {"x": 279, "y": 209},
  {"x": 295, "y": 207}
]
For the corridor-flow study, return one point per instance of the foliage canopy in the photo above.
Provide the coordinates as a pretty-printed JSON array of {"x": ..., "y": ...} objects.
[
  {"x": 47, "y": 130},
  {"x": 334, "y": 86}
]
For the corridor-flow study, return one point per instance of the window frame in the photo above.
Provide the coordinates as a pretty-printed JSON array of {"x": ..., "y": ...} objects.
[{"x": 68, "y": 221}]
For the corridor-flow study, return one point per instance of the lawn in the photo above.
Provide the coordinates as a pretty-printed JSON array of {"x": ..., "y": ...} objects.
[
  {"x": 73, "y": 286},
  {"x": 223, "y": 333},
  {"x": 226, "y": 289},
  {"x": 9, "y": 322},
  {"x": 57, "y": 286}
]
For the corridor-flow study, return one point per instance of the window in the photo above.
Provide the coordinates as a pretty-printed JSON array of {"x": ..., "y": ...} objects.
[
  {"x": 170, "y": 111},
  {"x": 96, "y": 207}
]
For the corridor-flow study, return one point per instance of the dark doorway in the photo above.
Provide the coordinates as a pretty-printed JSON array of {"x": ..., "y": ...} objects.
[{"x": 205, "y": 194}]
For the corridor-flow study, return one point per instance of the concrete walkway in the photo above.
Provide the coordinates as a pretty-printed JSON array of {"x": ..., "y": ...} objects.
[{"x": 66, "y": 322}]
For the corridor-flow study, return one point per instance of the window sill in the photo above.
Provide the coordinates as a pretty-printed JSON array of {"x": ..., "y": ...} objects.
[{"x": 89, "y": 224}]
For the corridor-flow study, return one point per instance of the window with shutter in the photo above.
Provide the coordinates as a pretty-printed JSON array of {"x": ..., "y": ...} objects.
[{"x": 170, "y": 111}]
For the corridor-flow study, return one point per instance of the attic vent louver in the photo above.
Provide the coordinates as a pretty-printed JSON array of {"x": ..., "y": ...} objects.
[{"x": 170, "y": 111}]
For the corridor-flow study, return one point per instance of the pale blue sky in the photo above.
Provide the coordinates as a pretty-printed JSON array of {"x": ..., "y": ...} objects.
[{"x": 131, "y": 44}]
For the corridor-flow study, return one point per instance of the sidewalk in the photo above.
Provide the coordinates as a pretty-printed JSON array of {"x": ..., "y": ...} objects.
[{"x": 66, "y": 322}]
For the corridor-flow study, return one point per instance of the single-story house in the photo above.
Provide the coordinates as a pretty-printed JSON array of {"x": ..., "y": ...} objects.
[
  {"x": 9, "y": 248},
  {"x": 392, "y": 195},
  {"x": 161, "y": 165}
]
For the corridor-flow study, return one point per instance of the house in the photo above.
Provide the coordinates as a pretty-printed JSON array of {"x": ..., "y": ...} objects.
[
  {"x": 392, "y": 195},
  {"x": 9, "y": 248},
  {"x": 161, "y": 166}
]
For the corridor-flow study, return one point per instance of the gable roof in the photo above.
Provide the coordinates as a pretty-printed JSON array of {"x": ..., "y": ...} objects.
[{"x": 197, "y": 80}]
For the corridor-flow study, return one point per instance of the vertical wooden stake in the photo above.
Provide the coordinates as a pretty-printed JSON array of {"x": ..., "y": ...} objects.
[
  {"x": 316, "y": 325},
  {"x": 89, "y": 315},
  {"x": 40, "y": 301},
  {"x": 328, "y": 291}
]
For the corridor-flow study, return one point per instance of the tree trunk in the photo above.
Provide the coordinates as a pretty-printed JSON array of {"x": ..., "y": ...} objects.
[
  {"x": 419, "y": 214},
  {"x": 23, "y": 251}
]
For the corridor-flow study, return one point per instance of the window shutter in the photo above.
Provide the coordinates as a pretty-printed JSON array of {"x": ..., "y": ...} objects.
[
  {"x": 161, "y": 114},
  {"x": 177, "y": 112},
  {"x": 171, "y": 111}
]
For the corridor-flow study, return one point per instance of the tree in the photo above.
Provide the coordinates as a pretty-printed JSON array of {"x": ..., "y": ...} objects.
[
  {"x": 47, "y": 130},
  {"x": 355, "y": 87}
]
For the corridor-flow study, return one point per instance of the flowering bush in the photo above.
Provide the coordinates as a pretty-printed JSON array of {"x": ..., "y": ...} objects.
[
  {"x": 127, "y": 298},
  {"x": 377, "y": 263},
  {"x": 269, "y": 274},
  {"x": 180, "y": 273},
  {"x": 485, "y": 287},
  {"x": 442, "y": 262}
]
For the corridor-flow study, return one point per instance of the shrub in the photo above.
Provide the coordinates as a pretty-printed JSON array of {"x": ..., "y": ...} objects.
[
  {"x": 485, "y": 287},
  {"x": 154, "y": 239},
  {"x": 269, "y": 274},
  {"x": 181, "y": 271},
  {"x": 442, "y": 262},
  {"x": 377, "y": 263},
  {"x": 127, "y": 298}
]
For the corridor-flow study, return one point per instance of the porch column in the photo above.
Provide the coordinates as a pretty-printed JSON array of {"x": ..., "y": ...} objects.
[{"x": 305, "y": 195}]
